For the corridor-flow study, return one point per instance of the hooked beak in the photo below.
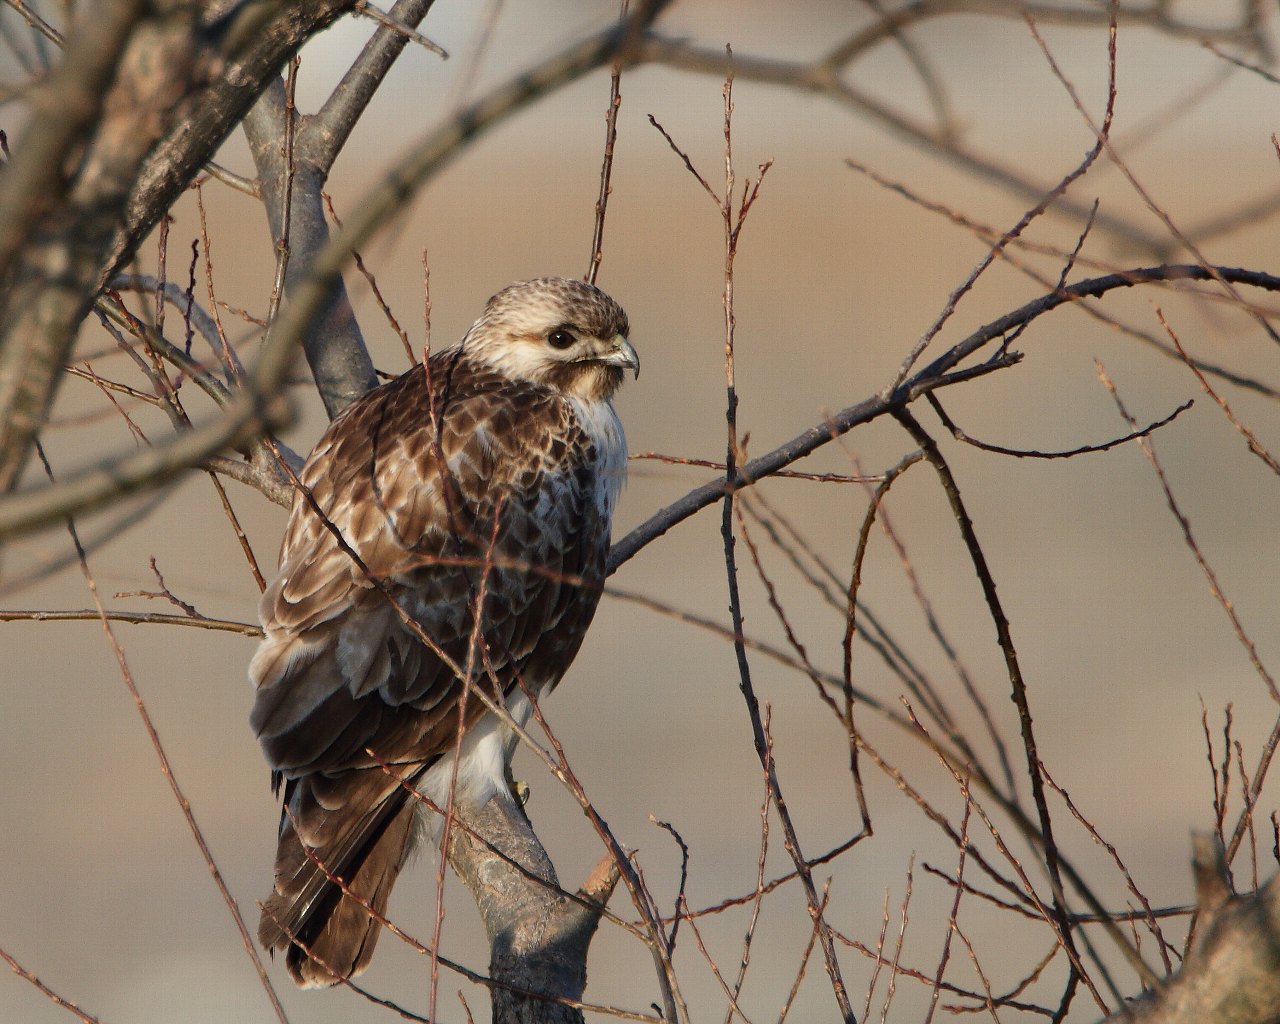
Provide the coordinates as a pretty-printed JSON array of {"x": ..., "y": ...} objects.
[{"x": 622, "y": 354}]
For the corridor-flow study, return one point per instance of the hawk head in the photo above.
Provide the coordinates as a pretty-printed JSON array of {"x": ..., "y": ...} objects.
[{"x": 554, "y": 331}]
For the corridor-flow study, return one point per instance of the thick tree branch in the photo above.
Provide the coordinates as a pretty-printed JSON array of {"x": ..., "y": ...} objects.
[
  {"x": 538, "y": 938},
  {"x": 182, "y": 80},
  {"x": 324, "y": 135},
  {"x": 1233, "y": 973},
  {"x": 65, "y": 111},
  {"x": 34, "y": 189},
  {"x": 258, "y": 37},
  {"x": 335, "y": 350}
]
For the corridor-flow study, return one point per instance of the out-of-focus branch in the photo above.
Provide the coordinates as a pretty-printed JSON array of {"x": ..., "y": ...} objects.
[
  {"x": 989, "y": 235},
  {"x": 256, "y": 38},
  {"x": 1157, "y": 15},
  {"x": 262, "y": 470},
  {"x": 201, "y": 321},
  {"x": 825, "y": 78},
  {"x": 161, "y": 85},
  {"x": 247, "y": 415},
  {"x": 66, "y": 109}
]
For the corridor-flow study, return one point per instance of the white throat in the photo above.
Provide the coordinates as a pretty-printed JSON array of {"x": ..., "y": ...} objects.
[{"x": 600, "y": 421}]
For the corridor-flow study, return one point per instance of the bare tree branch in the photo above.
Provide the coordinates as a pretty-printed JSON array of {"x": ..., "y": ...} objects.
[
  {"x": 32, "y": 350},
  {"x": 940, "y": 373},
  {"x": 824, "y": 77},
  {"x": 1233, "y": 973},
  {"x": 336, "y": 350},
  {"x": 56, "y": 254},
  {"x": 538, "y": 939}
]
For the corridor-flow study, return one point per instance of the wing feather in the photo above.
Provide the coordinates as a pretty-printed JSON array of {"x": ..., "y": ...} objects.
[
  {"x": 468, "y": 478},
  {"x": 515, "y": 506}
]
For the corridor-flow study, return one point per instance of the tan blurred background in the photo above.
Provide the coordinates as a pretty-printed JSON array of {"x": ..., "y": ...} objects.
[{"x": 104, "y": 894}]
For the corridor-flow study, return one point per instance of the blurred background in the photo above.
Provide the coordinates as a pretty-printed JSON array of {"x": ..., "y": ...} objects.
[{"x": 1124, "y": 648}]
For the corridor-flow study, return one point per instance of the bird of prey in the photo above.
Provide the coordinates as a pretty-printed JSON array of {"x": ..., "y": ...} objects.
[{"x": 484, "y": 479}]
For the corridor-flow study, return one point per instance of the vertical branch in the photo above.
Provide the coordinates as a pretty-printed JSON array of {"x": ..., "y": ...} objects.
[
  {"x": 953, "y": 917},
  {"x": 1050, "y": 197},
  {"x": 166, "y": 769},
  {"x": 475, "y": 645},
  {"x": 733, "y": 224},
  {"x": 426, "y": 308},
  {"x": 162, "y": 272},
  {"x": 1062, "y": 918},
  {"x": 290, "y": 174},
  {"x": 606, "y": 164}
]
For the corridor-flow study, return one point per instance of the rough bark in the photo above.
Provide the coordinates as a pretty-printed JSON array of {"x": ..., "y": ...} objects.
[
  {"x": 335, "y": 349},
  {"x": 538, "y": 937},
  {"x": 1232, "y": 975},
  {"x": 131, "y": 114}
]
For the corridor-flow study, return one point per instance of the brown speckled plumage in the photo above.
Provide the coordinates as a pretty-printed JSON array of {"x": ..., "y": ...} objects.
[{"x": 502, "y": 450}]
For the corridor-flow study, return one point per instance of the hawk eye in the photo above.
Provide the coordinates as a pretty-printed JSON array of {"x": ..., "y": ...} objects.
[{"x": 560, "y": 338}]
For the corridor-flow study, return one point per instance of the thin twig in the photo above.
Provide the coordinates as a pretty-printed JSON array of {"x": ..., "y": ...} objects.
[
  {"x": 938, "y": 374},
  {"x": 1070, "y": 453},
  {"x": 734, "y": 221},
  {"x": 988, "y": 234},
  {"x": 143, "y": 618},
  {"x": 1250, "y": 438},
  {"x": 1188, "y": 536},
  {"x": 166, "y": 769},
  {"x": 289, "y": 171},
  {"x": 367, "y": 274},
  {"x": 606, "y": 163},
  {"x": 367, "y": 9},
  {"x": 1060, "y": 913},
  {"x": 1269, "y": 748},
  {"x": 1103, "y": 135},
  {"x": 953, "y": 916},
  {"x": 50, "y": 994},
  {"x": 1025, "y": 220}
]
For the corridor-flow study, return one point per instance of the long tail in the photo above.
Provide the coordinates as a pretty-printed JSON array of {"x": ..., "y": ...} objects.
[{"x": 359, "y": 825}]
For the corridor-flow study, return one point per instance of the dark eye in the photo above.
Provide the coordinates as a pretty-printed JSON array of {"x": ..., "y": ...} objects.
[{"x": 560, "y": 338}]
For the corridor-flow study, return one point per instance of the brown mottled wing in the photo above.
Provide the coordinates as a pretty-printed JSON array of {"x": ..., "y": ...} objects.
[{"x": 338, "y": 670}]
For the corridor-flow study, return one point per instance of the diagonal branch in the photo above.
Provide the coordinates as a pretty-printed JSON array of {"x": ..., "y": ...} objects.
[
  {"x": 940, "y": 373},
  {"x": 324, "y": 134},
  {"x": 335, "y": 349},
  {"x": 248, "y": 413},
  {"x": 179, "y": 83}
]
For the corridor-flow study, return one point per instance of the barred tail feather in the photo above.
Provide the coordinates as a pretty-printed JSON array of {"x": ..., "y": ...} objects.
[{"x": 336, "y": 927}]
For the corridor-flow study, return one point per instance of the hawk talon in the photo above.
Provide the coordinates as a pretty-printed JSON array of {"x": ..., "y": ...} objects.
[{"x": 519, "y": 789}]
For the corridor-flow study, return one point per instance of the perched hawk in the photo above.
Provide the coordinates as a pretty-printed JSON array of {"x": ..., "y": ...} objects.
[{"x": 488, "y": 475}]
